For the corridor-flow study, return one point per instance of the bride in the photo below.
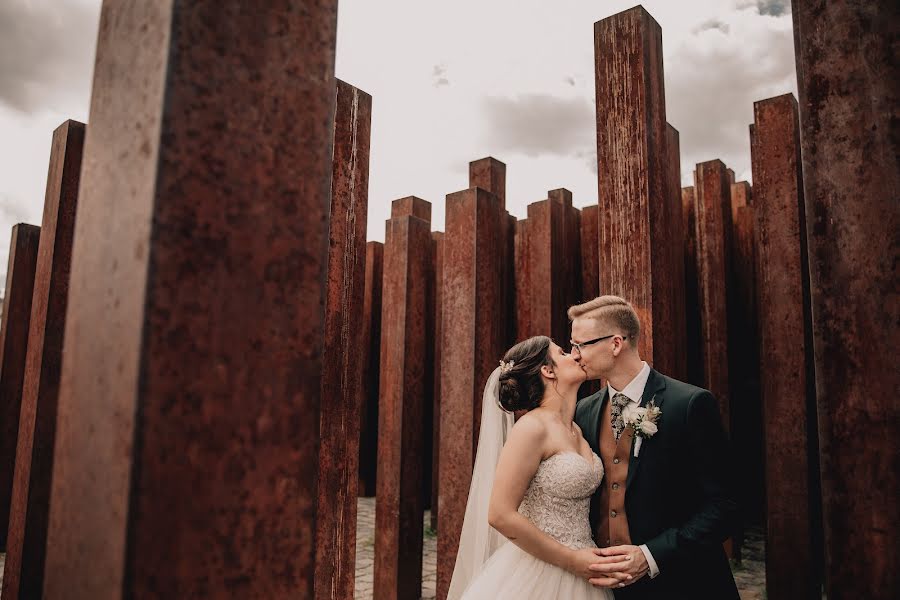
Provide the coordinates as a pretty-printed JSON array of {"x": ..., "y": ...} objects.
[{"x": 531, "y": 486}]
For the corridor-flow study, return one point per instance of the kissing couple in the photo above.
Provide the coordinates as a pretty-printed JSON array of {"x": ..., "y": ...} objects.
[{"x": 625, "y": 494}]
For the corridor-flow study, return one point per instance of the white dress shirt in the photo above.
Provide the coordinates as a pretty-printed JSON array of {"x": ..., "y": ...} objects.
[{"x": 634, "y": 390}]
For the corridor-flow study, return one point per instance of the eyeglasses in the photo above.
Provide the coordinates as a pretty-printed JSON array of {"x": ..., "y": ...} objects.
[{"x": 578, "y": 347}]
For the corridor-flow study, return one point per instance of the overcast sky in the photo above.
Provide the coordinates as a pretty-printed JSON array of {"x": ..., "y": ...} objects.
[{"x": 451, "y": 82}]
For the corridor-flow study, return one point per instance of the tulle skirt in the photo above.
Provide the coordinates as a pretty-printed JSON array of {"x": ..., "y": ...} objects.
[{"x": 513, "y": 574}]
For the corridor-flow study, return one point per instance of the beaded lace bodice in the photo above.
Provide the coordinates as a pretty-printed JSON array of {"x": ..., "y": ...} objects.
[{"x": 558, "y": 499}]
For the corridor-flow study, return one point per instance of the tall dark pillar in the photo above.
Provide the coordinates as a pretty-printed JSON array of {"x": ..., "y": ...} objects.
[
  {"x": 636, "y": 252},
  {"x": 23, "y": 575},
  {"x": 371, "y": 365},
  {"x": 342, "y": 353},
  {"x": 691, "y": 287},
  {"x": 473, "y": 316},
  {"x": 788, "y": 375},
  {"x": 188, "y": 424},
  {"x": 20, "y": 271},
  {"x": 404, "y": 394},
  {"x": 712, "y": 201},
  {"x": 847, "y": 74},
  {"x": 676, "y": 247}
]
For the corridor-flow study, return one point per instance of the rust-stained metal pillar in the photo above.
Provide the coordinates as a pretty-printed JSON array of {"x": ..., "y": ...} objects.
[
  {"x": 342, "y": 354},
  {"x": 590, "y": 253},
  {"x": 489, "y": 174},
  {"x": 438, "y": 238},
  {"x": 636, "y": 253},
  {"x": 404, "y": 393},
  {"x": 188, "y": 431},
  {"x": 550, "y": 261},
  {"x": 474, "y": 318},
  {"x": 691, "y": 287},
  {"x": 788, "y": 376},
  {"x": 20, "y": 271},
  {"x": 712, "y": 202},
  {"x": 847, "y": 75},
  {"x": 371, "y": 365},
  {"x": 23, "y": 575},
  {"x": 676, "y": 247}
]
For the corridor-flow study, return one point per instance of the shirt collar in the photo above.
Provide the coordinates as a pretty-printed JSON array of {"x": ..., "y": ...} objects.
[{"x": 635, "y": 389}]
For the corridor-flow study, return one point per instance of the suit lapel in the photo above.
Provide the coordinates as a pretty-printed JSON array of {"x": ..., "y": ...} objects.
[
  {"x": 596, "y": 410},
  {"x": 652, "y": 391}
]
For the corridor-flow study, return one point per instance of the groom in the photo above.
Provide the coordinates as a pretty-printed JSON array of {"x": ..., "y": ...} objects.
[{"x": 666, "y": 499}]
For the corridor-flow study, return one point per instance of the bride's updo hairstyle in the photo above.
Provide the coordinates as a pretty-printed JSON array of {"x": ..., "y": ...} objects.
[{"x": 521, "y": 386}]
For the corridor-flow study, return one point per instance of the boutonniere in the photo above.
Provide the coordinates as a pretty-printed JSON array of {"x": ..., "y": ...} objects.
[{"x": 642, "y": 420}]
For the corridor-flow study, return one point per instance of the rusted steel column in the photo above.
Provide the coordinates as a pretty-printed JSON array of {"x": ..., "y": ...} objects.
[
  {"x": 744, "y": 358},
  {"x": 847, "y": 74},
  {"x": 712, "y": 206},
  {"x": 552, "y": 260},
  {"x": 636, "y": 255},
  {"x": 788, "y": 376},
  {"x": 489, "y": 174},
  {"x": 188, "y": 429},
  {"x": 473, "y": 317},
  {"x": 590, "y": 253},
  {"x": 744, "y": 350},
  {"x": 570, "y": 258},
  {"x": 522, "y": 279},
  {"x": 438, "y": 238},
  {"x": 676, "y": 247},
  {"x": 404, "y": 392},
  {"x": 371, "y": 364},
  {"x": 27, "y": 535},
  {"x": 691, "y": 287},
  {"x": 342, "y": 352},
  {"x": 20, "y": 271}
]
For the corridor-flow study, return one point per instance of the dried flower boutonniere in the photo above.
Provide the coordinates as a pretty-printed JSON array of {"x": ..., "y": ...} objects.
[{"x": 643, "y": 420}]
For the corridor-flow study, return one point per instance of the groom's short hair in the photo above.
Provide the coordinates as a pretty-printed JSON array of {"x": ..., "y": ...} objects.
[{"x": 613, "y": 310}]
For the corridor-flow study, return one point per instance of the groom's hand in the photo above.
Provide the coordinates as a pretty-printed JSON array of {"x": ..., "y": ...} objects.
[{"x": 635, "y": 565}]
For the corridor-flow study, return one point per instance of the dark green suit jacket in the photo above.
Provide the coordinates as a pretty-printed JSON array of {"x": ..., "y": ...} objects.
[{"x": 678, "y": 493}]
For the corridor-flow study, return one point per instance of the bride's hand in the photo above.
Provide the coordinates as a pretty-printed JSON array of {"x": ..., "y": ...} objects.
[{"x": 580, "y": 563}]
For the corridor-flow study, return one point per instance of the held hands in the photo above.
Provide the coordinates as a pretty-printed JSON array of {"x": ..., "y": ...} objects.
[
  {"x": 583, "y": 562},
  {"x": 613, "y": 562}
]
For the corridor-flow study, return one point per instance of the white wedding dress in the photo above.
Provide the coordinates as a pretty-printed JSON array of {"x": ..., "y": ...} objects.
[{"x": 557, "y": 502}]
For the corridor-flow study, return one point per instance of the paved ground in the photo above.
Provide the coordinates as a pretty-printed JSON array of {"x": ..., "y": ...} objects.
[{"x": 750, "y": 575}]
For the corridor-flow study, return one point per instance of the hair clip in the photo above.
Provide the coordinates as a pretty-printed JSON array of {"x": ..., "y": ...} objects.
[{"x": 506, "y": 366}]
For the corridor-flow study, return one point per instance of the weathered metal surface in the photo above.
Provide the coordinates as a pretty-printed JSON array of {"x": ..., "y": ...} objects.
[
  {"x": 744, "y": 351},
  {"x": 590, "y": 252},
  {"x": 676, "y": 247},
  {"x": 474, "y": 318},
  {"x": 27, "y": 535},
  {"x": 712, "y": 206},
  {"x": 438, "y": 238},
  {"x": 489, "y": 174},
  {"x": 691, "y": 287},
  {"x": 188, "y": 429},
  {"x": 788, "y": 387},
  {"x": 570, "y": 261},
  {"x": 20, "y": 271},
  {"x": 404, "y": 392},
  {"x": 847, "y": 74},
  {"x": 552, "y": 262},
  {"x": 636, "y": 255},
  {"x": 342, "y": 354},
  {"x": 371, "y": 363}
]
